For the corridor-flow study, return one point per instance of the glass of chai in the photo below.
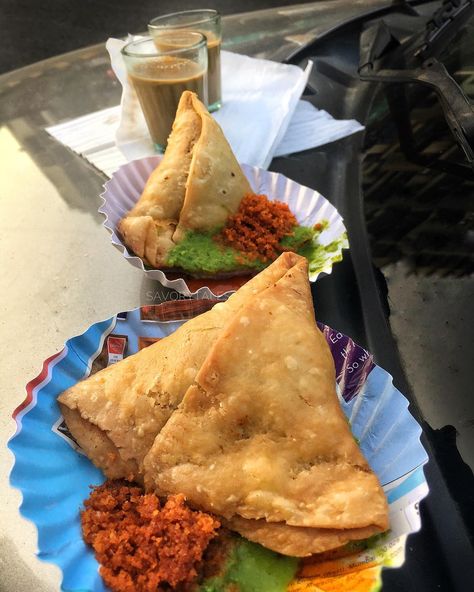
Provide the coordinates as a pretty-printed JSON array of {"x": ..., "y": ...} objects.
[
  {"x": 160, "y": 69},
  {"x": 207, "y": 22}
]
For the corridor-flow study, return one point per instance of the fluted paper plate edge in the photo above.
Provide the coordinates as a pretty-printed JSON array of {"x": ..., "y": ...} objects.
[
  {"x": 123, "y": 189},
  {"x": 54, "y": 485}
]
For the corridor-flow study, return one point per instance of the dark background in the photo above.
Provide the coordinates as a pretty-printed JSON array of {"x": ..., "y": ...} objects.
[{"x": 32, "y": 30}]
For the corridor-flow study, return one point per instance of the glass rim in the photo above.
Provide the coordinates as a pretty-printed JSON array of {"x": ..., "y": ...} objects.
[
  {"x": 207, "y": 15},
  {"x": 157, "y": 53}
]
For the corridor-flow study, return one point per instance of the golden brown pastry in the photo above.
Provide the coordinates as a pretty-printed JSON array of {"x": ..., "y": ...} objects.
[
  {"x": 197, "y": 185},
  {"x": 116, "y": 413},
  {"x": 98, "y": 447},
  {"x": 260, "y": 433},
  {"x": 237, "y": 409},
  {"x": 297, "y": 541}
]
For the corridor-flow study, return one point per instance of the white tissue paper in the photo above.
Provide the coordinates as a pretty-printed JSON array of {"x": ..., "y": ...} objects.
[{"x": 311, "y": 127}]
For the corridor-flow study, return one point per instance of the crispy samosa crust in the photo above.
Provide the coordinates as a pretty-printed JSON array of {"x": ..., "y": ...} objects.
[
  {"x": 98, "y": 447},
  {"x": 261, "y": 434},
  {"x": 197, "y": 185},
  {"x": 129, "y": 402},
  {"x": 149, "y": 226},
  {"x": 216, "y": 184},
  {"x": 297, "y": 541}
]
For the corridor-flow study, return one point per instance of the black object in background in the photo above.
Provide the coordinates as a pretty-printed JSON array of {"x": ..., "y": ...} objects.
[{"x": 32, "y": 30}]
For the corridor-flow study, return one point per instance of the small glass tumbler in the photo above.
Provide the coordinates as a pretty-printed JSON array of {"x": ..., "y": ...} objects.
[
  {"x": 160, "y": 69},
  {"x": 207, "y": 22}
]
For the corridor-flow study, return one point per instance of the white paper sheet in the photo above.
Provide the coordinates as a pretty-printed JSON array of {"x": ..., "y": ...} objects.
[
  {"x": 259, "y": 99},
  {"x": 311, "y": 127}
]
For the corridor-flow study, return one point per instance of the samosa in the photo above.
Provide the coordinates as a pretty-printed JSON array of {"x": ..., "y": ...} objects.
[
  {"x": 197, "y": 186},
  {"x": 237, "y": 409},
  {"x": 260, "y": 434},
  {"x": 116, "y": 413}
]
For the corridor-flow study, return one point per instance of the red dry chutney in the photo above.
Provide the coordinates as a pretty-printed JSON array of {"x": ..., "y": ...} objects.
[
  {"x": 258, "y": 227},
  {"x": 142, "y": 543}
]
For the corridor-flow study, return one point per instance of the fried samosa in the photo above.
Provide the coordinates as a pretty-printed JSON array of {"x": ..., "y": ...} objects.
[
  {"x": 116, "y": 413},
  {"x": 197, "y": 186},
  {"x": 260, "y": 434}
]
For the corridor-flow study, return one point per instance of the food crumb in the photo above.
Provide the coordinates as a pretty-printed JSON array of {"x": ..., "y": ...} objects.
[{"x": 141, "y": 543}]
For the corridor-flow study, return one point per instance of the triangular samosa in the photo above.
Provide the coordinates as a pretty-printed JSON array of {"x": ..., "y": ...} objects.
[
  {"x": 260, "y": 434},
  {"x": 197, "y": 186},
  {"x": 116, "y": 413}
]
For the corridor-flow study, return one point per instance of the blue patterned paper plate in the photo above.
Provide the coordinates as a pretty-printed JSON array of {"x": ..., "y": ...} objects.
[{"x": 54, "y": 477}]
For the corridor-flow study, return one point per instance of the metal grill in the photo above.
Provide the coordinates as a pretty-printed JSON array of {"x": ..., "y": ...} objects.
[{"x": 424, "y": 215}]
